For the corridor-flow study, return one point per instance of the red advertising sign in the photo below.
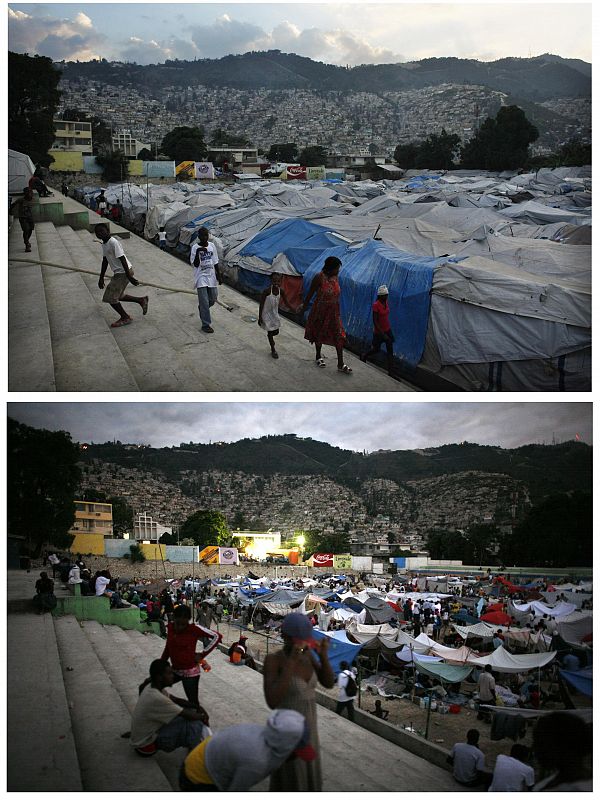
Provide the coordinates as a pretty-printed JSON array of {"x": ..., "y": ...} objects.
[
  {"x": 322, "y": 559},
  {"x": 296, "y": 171}
]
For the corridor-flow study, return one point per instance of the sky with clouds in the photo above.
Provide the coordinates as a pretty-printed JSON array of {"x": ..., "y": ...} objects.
[
  {"x": 337, "y": 33},
  {"x": 353, "y": 426}
]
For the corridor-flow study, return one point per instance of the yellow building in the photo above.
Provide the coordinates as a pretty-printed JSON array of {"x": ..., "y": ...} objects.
[{"x": 92, "y": 518}]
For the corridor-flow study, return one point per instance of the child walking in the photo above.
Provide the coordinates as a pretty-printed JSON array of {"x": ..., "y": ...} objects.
[{"x": 268, "y": 311}]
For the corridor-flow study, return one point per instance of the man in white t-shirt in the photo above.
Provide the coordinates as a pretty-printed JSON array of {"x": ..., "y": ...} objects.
[
  {"x": 468, "y": 761},
  {"x": 511, "y": 773},
  {"x": 101, "y": 583},
  {"x": 345, "y": 701},
  {"x": 161, "y": 721},
  {"x": 114, "y": 294},
  {"x": 205, "y": 261}
]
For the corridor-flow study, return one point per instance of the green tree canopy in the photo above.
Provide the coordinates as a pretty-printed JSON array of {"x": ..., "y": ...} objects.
[
  {"x": 321, "y": 542},
  {"x": 145, "y": 154},
  {"x": 315, "y": 156},
  {"x": 115, "y": 166},
  {"x": 42, "y": 481},
  {"x": 405, "y": 155},
  {"x": 438, "y": 151},
  {"x": 221, "y": 138},
  {"x": 33, "y": 99},
  {"x": 185, "y": 144},
  {"x": 285, "y": 151},
  {"x": 205, "y": 528},
  {"x": 555, "y": 533},
  {"x": 501, "y": 142}
]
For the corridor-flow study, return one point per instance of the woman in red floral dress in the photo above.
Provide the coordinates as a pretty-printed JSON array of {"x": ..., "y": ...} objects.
[{"x": 324, "y": 323}]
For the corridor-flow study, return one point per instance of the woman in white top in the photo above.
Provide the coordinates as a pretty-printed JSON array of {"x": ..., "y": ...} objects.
[{"x": 268, "y": 312}]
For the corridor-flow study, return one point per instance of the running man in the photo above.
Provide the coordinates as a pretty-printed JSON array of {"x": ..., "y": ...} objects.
[{"x": 114, "y": 294}]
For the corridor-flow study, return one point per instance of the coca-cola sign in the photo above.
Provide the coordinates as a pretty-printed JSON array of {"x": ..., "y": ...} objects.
[
  {"x": 296, "y": 171},
  {"x": 323, "y": 560}
]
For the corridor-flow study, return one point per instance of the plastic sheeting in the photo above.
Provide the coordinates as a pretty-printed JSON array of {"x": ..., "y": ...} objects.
[
  {"x": 582, "y": 680},
  {"x": 340, "y": 647},
  {"x": 503, "y": 661},
  {"x": 480, "y": 629},
  {"x": 447, "y": 673},
  {"x": 540, "y": 609},
  {"x": 408, "y": 279},
  {"x": 20, "y": 170}
]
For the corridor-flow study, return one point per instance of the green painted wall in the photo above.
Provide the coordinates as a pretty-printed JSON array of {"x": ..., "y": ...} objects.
[{"x": 98, "y": 608}]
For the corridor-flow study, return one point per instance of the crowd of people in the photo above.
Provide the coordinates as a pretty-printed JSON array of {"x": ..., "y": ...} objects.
[{"x": 187, "y": 612}]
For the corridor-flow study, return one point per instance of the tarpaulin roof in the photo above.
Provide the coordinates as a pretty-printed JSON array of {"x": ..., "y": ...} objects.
[
  {"x": 408, "y": 278},
  {"x": 581, "y": 679},
  {"x": 575, "y": 627},
  {"x": 448, "y": 673},
  {"x": 340, "y": 647},
  {"x": 539, "y": 609},
  {"x": 503, "y": 661},
  {"x": 496, "y": 618},
  {"x": 20, "y": 170},
  {"x": 479, "y": 629}
]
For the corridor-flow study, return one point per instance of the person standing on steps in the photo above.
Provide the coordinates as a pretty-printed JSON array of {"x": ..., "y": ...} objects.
[
  {"x": 205, "y": 261},
  {"x": 324, "y": 323},
  {"x": 114, "y": 294},
  {"x": 268, "y": 312},
  {"x": 382, "y": 330},
  {"x": 23, "y": 211}
]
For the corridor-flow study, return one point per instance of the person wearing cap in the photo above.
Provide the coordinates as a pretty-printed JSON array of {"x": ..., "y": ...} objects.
[
  {"x": 239, "y": 757},
  {"x": 290, "y": 677},
  {"x": 382, "y": 330}
]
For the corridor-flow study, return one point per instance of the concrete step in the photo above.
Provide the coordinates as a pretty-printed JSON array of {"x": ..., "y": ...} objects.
[
  {"x": 40, "y": 746},
  {"x": 99, "y": 717},
  {"x": 86, "y": 357},
  {"x": 30, "y": 360},
  {"x": 127, "y": 666},
  {"x": 147, "y": 345},
  {"x": 148, "y": 643},
  {"x": 237, "y": 356}
]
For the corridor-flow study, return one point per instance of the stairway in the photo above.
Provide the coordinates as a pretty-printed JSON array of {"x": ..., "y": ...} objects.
[
  {"x": 73, "y": 685},
  {"x": 60, "y": 337}
]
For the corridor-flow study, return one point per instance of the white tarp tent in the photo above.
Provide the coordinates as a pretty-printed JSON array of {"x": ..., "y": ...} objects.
[
  {"x": 20, "y": 170},
  {"x": 503, "y": 661}
]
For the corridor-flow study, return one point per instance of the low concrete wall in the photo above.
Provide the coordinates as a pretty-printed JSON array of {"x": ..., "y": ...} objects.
[{"x": 98, "y": 608}]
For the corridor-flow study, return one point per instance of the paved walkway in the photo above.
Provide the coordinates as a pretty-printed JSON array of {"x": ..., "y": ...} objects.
[{"x": 60, "y": 337}]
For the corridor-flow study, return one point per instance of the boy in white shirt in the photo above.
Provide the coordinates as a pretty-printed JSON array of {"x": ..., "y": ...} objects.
[
  {"x": 114, "y": 294},
  {"x": 205, "y": 261}
]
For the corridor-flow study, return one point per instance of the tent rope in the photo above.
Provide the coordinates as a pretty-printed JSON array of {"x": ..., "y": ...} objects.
[{"x": 174, "y": 289}]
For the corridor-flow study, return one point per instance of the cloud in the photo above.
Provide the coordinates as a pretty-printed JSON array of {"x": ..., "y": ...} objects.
[
  {"x": 396, "y": 426},
  {"x": 58, "y": 39},
  {"x": 226, "y": 35}
]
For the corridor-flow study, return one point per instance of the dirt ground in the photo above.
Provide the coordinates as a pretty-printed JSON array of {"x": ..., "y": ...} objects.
[{"x": 444, "y": 729}]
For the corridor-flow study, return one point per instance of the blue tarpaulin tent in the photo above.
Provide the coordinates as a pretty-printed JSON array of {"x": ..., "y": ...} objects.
[
  {"x": 408, "y": 278},
  {"x": 581, "y": 679},
  {"x": 340, "y": 648},
  {"x": 301, "y": 241}
]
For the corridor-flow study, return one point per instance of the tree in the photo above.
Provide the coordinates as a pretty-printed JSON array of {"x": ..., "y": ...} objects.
[
  {"x": 33, "y": 99},
  {"x": 145, "y": 154},
  {"x": 136, "y": 554},
  {"x": 184, "y": 144},
  {"x": 501, "y": 142},
  {"x": 42, "y": 480},
  {"x": 221, "y": 138},
  {"x": 555, "y": 533},
  {"x": 315, "y": 156},
  {"x": 574, "y": 153},
  {"x": 115, "y": 166},
  {"x": 168, "y": 538},
  {"x": 321, "y": 542},
  {"x": 445, "y": 544},
  {"x": 405, "y": 155},
  {"x": 286, "y": 152},
  {"x": 438, "y": 151},
  {"x": 206, "y": 528}
]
